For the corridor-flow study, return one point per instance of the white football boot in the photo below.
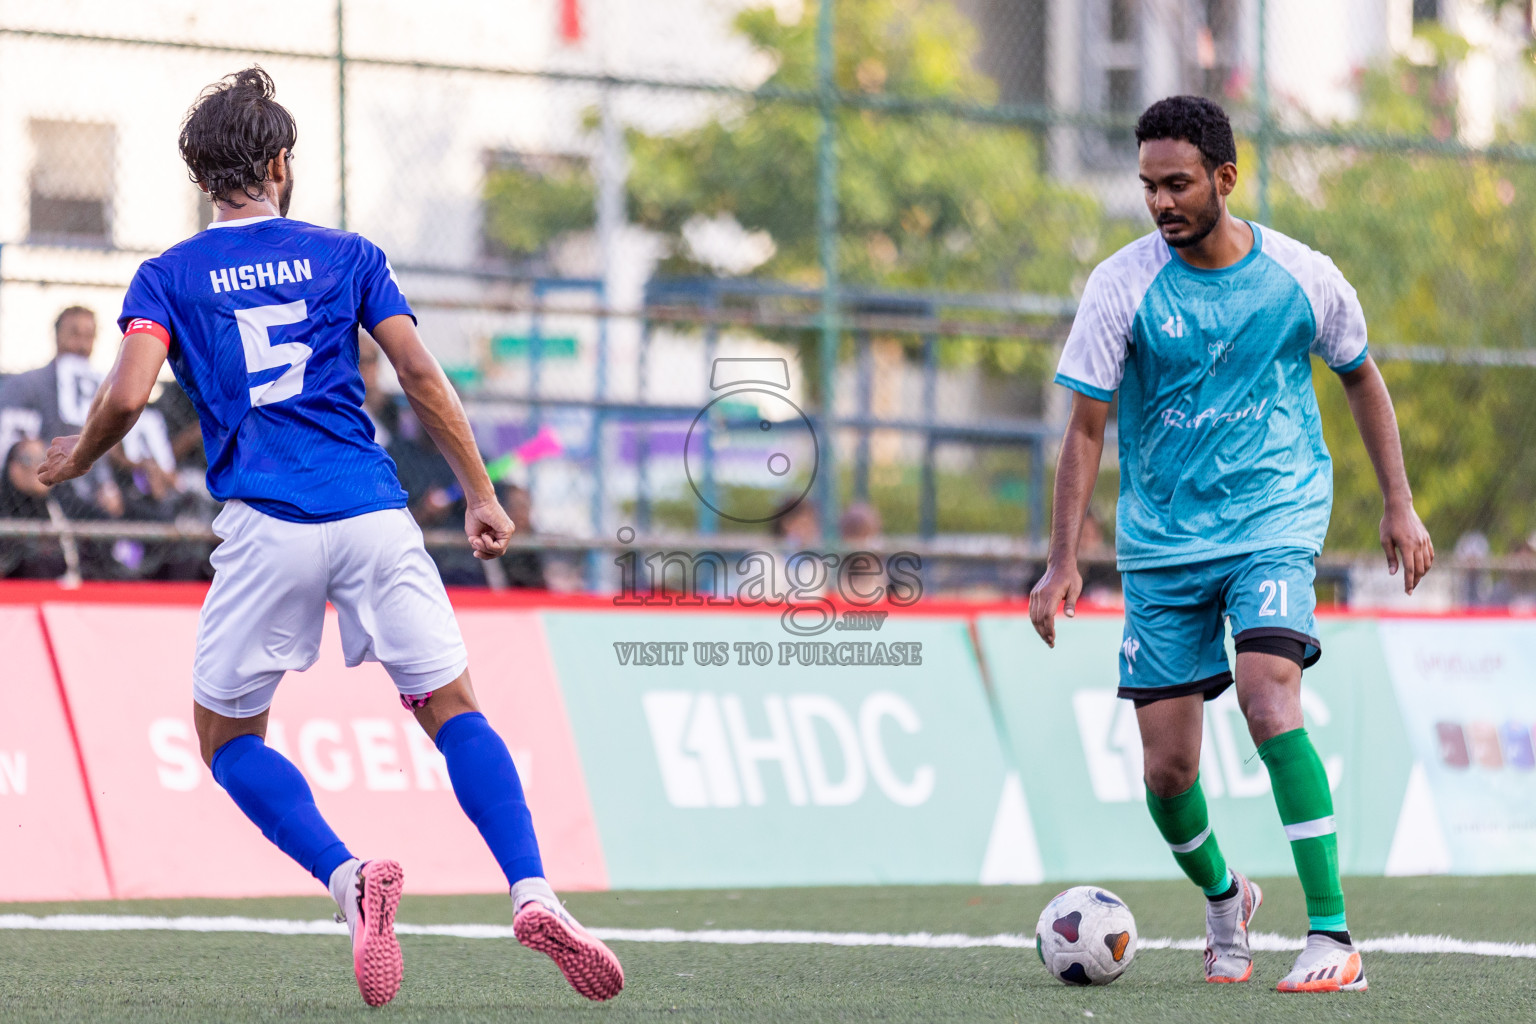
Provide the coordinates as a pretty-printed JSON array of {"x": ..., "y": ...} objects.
[
  {"x": 1325, "y": 965},
  {"x": 1227, "y": 956}
]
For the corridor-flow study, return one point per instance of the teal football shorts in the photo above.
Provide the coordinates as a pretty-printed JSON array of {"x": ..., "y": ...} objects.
[{"x": 1175, "y": 640}]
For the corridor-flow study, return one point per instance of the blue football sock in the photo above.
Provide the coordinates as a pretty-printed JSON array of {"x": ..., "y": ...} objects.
[
  {"x": 272, "y": 793},
  {"x": 485, "y": 781}
]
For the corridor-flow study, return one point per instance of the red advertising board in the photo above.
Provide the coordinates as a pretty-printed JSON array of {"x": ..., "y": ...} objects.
[
  {"x": 48, "y": 845},
  {"x": 170, "y": 831}
]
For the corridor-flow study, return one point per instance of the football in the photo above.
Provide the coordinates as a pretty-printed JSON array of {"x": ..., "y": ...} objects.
[{"x": 1086, "y": 936}]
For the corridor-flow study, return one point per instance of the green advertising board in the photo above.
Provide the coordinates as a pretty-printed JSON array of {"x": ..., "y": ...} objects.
[
  {"x": 1467, "y": 690},
  {"x": 722, "y": 750},
  {"x": 1078, "y": 753}
]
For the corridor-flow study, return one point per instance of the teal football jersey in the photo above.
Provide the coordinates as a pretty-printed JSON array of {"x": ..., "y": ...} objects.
[{"x": 1221, "y": 442}]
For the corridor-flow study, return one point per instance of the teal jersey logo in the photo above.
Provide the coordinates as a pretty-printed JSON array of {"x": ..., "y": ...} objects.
[{"x": 1218, "y": 351}]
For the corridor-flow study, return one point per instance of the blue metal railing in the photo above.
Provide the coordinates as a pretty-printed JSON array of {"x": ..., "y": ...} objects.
[{"x": 713, "y": 300}]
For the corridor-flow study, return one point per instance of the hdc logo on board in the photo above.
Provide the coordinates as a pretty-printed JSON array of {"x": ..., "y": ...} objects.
[
  {"x": 1112, "y": 747},
  {"x": 819, "y": 752}
]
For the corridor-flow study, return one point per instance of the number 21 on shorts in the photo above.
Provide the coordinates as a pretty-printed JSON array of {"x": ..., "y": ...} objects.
[
  {"x": 260, "y": 354},
  {"x": 1272, "y": 589}
]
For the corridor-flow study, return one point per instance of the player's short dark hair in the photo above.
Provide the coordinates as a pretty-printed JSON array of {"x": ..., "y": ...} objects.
[
  {"x": 233, "y": 130},
  {"x": 69, "y": 311},
  {"x": 1198, "y": 121}
]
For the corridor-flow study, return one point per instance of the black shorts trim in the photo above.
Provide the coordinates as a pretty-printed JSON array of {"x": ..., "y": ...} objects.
[
  {"x": 1311, "y": 643},
  {"x": 1287, "y": 647},
  {"x": 1212, "y": 687}
]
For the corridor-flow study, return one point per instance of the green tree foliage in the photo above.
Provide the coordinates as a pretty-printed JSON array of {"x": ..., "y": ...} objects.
[
  {"x": 926, "y": 201},
  {"x": 1441, "y": 250},
  {"x": 529, "y": 206}
]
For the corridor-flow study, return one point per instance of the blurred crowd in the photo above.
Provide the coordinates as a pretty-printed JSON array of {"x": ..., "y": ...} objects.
[{"x": 157, "y": 475}]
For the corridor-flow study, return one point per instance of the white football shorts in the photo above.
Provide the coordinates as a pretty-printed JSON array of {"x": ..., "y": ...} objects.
[{"x": 266, "y": 608}]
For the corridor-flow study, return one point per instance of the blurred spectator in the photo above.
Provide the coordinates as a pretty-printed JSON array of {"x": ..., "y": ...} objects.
[
  {"x": 795, "y": 525},
  {"x": 161, "y": 470},
  {"x": 377, "y": 402},
  {"x": 22, "y": 496},
  {"x": 859, "y": 526},
  {"x": 1522, "y": 596},
  {"x": 797, "y": 529},
  {"x": 185, "y": 431},
  {"x": 52, "y": 401},
  {"x": 524, "y": 566},
  {"x": 1096, "y": 560},
  {"x": 432, "y": 491},
  {"x": 1091, "y": 540},
  {"x": 144, "y": 468},
  {"x": 434, "y": 498},
  {"x": 1478, "y": 588}
]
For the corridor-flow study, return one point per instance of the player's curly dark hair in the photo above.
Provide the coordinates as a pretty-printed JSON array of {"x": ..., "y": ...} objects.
[
  {"x": 1199, "y": 121},
  {"x": 233, "y": 130}
]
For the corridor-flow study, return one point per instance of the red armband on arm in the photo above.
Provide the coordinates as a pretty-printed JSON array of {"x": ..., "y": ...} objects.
[{"x": 143, "y": 326}]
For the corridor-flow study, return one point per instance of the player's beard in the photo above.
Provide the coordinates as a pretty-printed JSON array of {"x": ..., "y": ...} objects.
[
  {"x": 1202, "y": 225},
  {"x": 285, "y": 197}
]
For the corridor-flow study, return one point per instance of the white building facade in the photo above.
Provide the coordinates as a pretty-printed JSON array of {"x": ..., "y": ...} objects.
[{"x": 91, "y": 182}]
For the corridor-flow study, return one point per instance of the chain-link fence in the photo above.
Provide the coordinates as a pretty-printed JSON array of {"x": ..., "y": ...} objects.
[{"x": 651, "y": 241}]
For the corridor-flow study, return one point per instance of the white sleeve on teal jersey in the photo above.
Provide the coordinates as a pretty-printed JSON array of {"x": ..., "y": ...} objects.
[
  {"x": 1340, "y": 337},
  {"x": 1093, "y": 359}
]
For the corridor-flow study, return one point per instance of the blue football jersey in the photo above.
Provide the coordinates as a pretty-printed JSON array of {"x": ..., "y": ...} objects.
[{"x": 263, "y": 316}]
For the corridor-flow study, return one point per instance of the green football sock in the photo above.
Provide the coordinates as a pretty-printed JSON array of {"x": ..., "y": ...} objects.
[
  {"x": 1306, "y": 810},
  {"x": 1185, "y": 826}
]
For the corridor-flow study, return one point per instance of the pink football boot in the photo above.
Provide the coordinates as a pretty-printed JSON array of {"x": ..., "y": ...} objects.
[
  {"x": 370, "y": 916},
  {"x": 589, "y": 966}
]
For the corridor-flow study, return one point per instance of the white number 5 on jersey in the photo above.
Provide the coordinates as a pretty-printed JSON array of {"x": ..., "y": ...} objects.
[{"x": 261, "y": 354}]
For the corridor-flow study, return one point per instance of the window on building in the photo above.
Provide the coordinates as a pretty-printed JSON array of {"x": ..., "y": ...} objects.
[
  {"x": 71, "y": 183},
  {"x": 1012, "y": 36},
  {"x": 1112, "y": 53},
  {"x": 1134, "y": 52},
  {"x": 1216, "y": 49},
  {"x": 1122, "y": 21}
]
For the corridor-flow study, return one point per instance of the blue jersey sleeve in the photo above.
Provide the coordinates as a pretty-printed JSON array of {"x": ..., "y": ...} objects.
[
  {"x": 380, "y": 296},
  {"x": 147, "y": 298}
]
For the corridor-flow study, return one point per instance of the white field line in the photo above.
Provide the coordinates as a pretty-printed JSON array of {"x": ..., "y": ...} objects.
[{"x": 1265, "y": 941}]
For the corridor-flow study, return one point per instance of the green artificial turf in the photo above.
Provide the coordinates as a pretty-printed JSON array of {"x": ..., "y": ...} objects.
[{"x": 177, "y": 976}]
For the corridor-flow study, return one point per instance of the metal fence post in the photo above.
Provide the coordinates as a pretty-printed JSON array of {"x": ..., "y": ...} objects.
[
  {"x": 341, "y": 112},
  {"x": 864, "y": 385},
  {"x": 709, "y": 519},
  {"x": 826, "y": 229},
  {"x": 1266, "y": 125},
  {"x": 928, "y": 501}
]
